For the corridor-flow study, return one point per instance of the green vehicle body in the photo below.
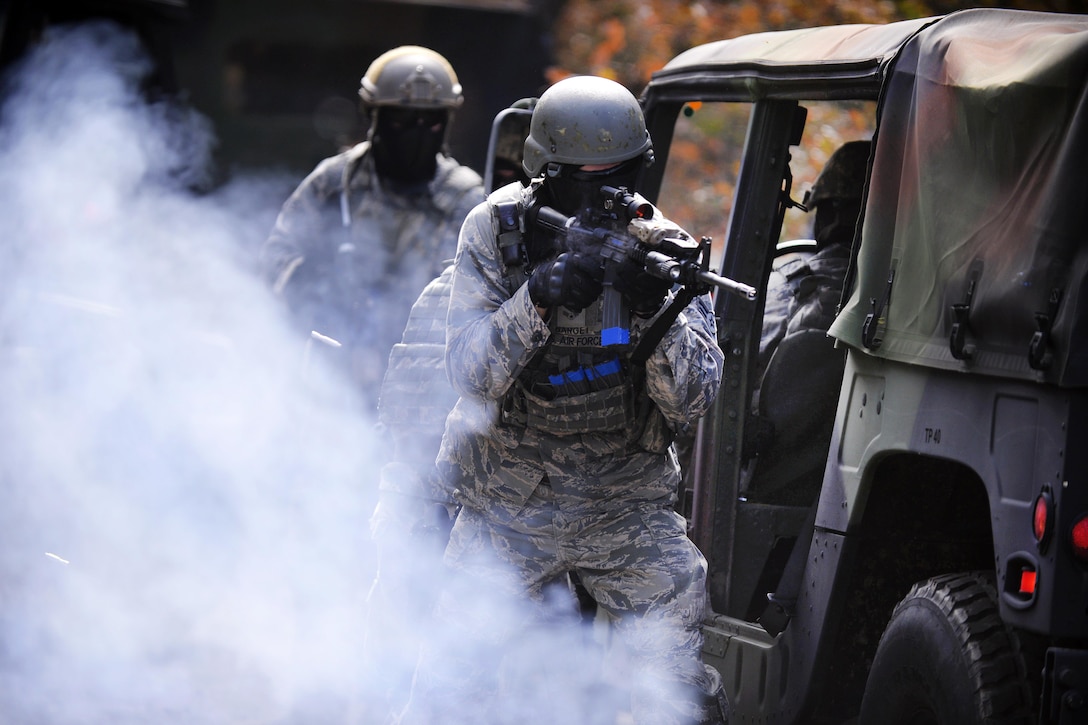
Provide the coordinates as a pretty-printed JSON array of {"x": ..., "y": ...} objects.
[{"x": 962, "y": 399}]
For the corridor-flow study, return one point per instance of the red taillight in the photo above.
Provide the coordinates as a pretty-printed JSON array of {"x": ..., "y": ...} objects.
[
  {"x": 1027, "y": 582},
  {"x": 1078, "y": 538},
  {"x": 1041, "y": 517}
]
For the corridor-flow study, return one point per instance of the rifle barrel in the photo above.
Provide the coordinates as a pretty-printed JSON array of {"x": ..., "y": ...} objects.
[
  {"x": 662, "y": 265},
  {"x": 740, "y": 289}
]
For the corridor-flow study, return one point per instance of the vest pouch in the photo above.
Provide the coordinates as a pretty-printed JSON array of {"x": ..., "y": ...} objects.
[{"x": 606, "y": 410}]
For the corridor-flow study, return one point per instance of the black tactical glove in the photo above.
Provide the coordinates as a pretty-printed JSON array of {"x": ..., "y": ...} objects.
[
  {"x": 644, "y": 292},
  {"x": 572, "y": 280}
]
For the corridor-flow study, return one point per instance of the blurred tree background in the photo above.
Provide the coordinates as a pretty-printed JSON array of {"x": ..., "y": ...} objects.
[{"x": 628, "y": 40}]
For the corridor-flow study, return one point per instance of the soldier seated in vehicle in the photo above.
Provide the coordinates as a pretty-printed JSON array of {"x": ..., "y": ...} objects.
[{"x": 796, "y": 399}]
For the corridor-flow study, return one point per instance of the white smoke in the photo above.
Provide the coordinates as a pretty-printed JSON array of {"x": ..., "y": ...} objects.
[
  {"x": 183, "y": 528},
  {"x": 183, "y": 534}
]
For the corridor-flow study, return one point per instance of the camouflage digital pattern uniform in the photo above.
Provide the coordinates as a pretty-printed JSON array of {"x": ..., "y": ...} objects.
[
  {"x": 410, "y": 525},
  {"x": 546, "y": 501},
  {"x": 415, "y": 396},
  {"x": 415, "y": 400},
  {"x": 350, "y": 253}
]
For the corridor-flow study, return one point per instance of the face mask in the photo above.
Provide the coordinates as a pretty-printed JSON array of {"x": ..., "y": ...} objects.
[
  {"x": 572, "y": 190},
  {"x": 406, "y": 143},
  {"x": 835, "y": 221}
]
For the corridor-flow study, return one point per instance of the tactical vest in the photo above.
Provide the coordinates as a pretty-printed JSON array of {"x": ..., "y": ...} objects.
[
  {"x": 574, "y": 384},
  {"x": 415, "y": 393}
]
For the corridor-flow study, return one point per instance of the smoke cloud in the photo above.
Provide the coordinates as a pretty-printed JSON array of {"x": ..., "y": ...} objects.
[
  {"x": 183, "y": 529},
  {"x": 183, "y": 535}
]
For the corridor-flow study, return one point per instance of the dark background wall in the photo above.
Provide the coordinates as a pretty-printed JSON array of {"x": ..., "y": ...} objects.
[{"x": 278, "y": 78}]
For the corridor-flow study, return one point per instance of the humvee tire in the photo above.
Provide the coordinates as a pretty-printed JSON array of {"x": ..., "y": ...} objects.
[{"x": 946, "y": 658}]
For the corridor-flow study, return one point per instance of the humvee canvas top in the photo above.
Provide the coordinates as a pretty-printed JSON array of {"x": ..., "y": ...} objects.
[{"x": 977, "y": 209}]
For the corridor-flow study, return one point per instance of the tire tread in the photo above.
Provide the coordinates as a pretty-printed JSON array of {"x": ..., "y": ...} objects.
[{"x": 969, "y": 601}]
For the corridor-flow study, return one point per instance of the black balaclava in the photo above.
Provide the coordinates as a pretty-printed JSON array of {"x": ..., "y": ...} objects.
[
  {"x": 835, "y": 221},
  {"x": 571, "y": 190},
  {"x": 406, "y": 143}
]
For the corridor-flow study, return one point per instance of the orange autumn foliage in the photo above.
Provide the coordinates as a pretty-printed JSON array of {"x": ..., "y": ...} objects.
[{"x": 627, "y": 40}]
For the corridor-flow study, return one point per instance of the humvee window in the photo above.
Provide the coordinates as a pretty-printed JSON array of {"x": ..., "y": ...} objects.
[
  {"x": 829, "y": 125},
  {"x": 702, "y": 168}
]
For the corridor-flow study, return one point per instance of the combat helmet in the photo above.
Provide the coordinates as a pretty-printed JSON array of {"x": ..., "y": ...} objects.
[
  {"x": 836, "y": 194},
  {"x": 411, "y": 77},
  {"x": 585, "y": 120},
  {"x": 843, "y": 176}
]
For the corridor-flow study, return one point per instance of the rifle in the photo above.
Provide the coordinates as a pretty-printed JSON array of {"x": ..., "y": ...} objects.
[{"x": 623, "y": 228}]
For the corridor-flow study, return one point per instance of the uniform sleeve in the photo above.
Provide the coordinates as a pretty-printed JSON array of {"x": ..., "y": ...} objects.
[
  {"x": 490, "y": 334},
  {"x": 684, "y": 372},
  {"x": 458, "y": 192},
  {"x": 294, "y": 248}
]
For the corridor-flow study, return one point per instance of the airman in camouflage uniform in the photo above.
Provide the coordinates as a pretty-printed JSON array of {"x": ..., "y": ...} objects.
[
  {"x": 365, "y": 232},
  {"x": 410, "y": 525},
  {"x": 559, "y": 448}
]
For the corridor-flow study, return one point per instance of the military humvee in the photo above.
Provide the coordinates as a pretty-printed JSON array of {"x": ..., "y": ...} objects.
[{"x": 936, "y": 571}]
